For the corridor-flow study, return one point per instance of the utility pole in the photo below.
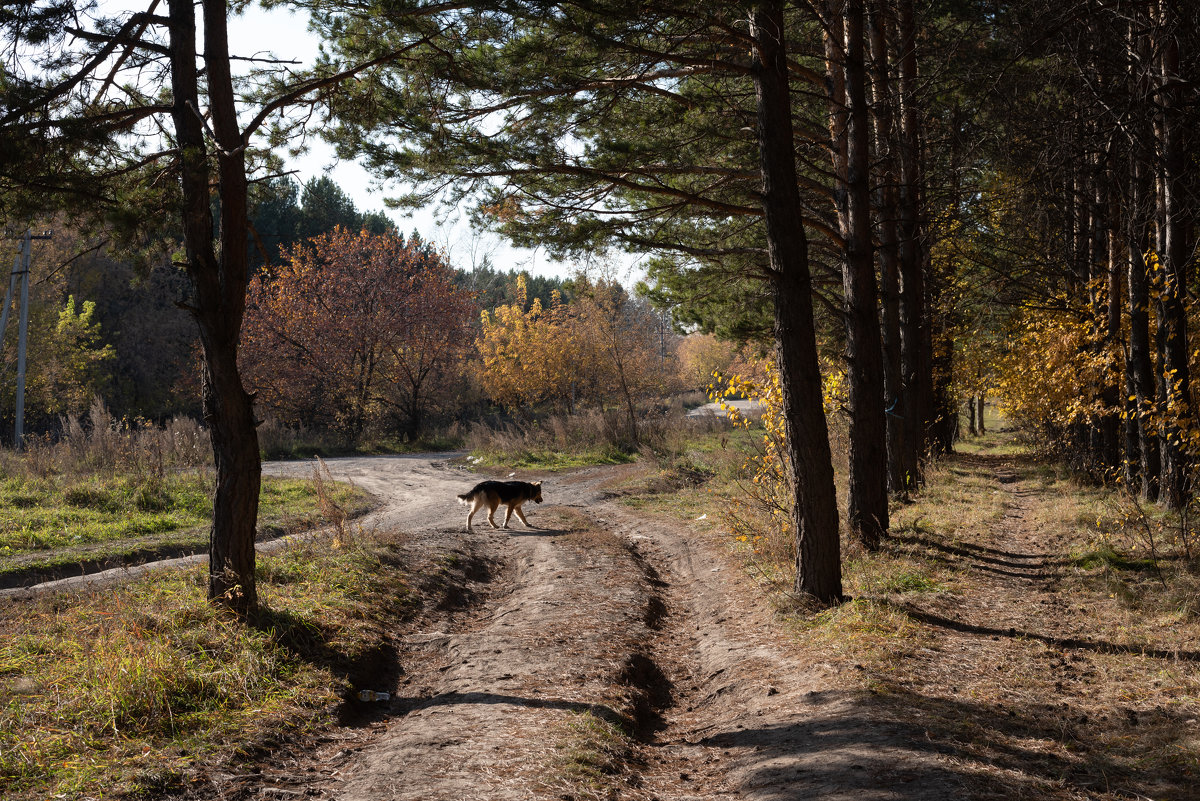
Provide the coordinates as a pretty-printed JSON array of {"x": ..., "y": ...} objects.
[
  {"x": 12, "y": 287},
  {"x": 662, "y": 336},
  {"x": 20, "y": 272}
]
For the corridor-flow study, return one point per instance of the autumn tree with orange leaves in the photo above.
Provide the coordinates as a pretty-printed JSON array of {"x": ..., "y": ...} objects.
[
  {"x": 530, "y": 354},
  {"x": 355, "y": 329},
  {"x": 602, "y": 348}
]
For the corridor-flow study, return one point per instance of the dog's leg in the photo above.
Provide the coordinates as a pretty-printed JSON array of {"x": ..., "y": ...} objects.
[
  {"x": 492, "y": 515},
  {"x": 474, "y": 508},
  {"x": 521, "y": 515},
  {"x": 508, "y": 515}
]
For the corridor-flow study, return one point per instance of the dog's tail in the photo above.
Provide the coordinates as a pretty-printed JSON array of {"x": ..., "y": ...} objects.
[{"x": 465, "y": 498}]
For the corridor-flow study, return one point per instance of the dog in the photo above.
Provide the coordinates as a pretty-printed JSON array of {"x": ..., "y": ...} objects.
[{"x": 493, "y": 493}]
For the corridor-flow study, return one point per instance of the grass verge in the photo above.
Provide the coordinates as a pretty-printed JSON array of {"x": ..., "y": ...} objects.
[
  {"x": 1038, "y": 633},
  {"x": 551, "y": 460},
  {"x": 140, "y": 688},
  {"x": 1057, "y": 662},
  {"x": 54, "y": 523}
]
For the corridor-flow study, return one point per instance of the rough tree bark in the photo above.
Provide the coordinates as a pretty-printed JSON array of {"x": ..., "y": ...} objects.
[
  {"x": 1113, "y": 437},
  {"x": 814, "y": 514},
  {"x": 887, "y": 202},
  {"x": 918, "y": 379},
  {"x": 1141, "y": 367},
  {"x": 219, "y": 281},
  {"x": 850, "y": 127},
  {"x": 1174, "y": 252}
]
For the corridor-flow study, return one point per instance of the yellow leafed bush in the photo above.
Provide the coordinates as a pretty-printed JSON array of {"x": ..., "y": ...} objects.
[{"x": 761, "y": 516}]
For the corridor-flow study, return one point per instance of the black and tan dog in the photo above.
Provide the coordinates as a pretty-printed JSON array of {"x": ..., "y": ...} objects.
[{"x": 493, "y": 493}]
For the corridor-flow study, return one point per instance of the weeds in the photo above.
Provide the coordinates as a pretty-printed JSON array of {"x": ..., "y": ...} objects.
[
  {"x": 109, "y": 444},
  {"x": 138, "y": 686},
  {"x": 331, "y": 510}
]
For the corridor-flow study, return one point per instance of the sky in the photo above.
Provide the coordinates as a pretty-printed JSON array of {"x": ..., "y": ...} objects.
[{"x": 285, "y": 34}]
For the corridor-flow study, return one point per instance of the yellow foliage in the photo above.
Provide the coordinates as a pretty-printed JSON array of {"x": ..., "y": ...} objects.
[
  {"x": 1059, "y": 364},
  {"x": 529, "y": 356},
  {"x": 702, "y": 355},
  {"x": 761, "y": 518},
  {"x": 1054, "y": 370},
  {"x": 600, "y": 347}
]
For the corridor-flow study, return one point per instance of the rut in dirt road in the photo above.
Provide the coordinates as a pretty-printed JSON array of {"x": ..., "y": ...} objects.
[{"x": 607, "y": 655}]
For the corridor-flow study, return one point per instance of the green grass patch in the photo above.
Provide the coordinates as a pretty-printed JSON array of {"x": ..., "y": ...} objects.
[
  {"x": 906, "y": 581},
  {"x": 590, "y": 753},
  {"x": 996, "y": 442},
  {"x": 62, "y": 520},
  {"x": 552, "y": 460},
  {"x": 63, "y": 511},
  {"x": 1106, "y": 557},
  {"x": 879, "y": 575},
  {"x": 134, "y": 688}
]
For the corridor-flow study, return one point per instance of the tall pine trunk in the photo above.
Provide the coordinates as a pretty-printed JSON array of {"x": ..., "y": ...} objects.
[
  {"x": 918, "y": 378},
  {"x": 1141, "y": 367},
  {"x": 1174, "y": 252},
  {"x": 814, "y": 515},
  {"x": 849, "y": 126},
  {"x": 900, "y": 482},
  {"x": 1113, "y": 440}
]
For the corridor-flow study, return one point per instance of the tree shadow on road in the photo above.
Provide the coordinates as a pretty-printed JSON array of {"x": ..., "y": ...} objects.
[{"x": 910, "y": 747}]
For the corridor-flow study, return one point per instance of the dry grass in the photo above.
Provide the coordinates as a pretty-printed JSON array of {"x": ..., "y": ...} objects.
[
  {"x": 587, "y": 437},
  {"x": 103, "y": 443},
  {"x": 590, "y": 756},
  {"x": 137, "y": 688},
  {"x": 278, "y": 441},
  {"x": 1055, "y": 664},
  {"x": 1040, "y": 633}
]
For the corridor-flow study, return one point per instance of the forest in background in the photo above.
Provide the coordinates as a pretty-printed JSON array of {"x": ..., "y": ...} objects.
[
  {"x": 111, "y": 330},
  {"x": 883, "y": 220}
]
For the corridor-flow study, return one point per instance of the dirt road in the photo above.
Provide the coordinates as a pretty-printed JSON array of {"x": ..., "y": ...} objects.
[{"x": 604, "y": 654}]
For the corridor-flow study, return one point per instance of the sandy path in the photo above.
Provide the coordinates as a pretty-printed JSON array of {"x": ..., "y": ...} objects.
[
  {"x": 1016, "y": 571},
  {"x": 1037, "y": 680},
  {"x": 600, "y": 615}
]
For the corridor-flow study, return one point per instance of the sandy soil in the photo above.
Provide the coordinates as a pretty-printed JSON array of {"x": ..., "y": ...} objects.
[{"x": 599, "y": 616}]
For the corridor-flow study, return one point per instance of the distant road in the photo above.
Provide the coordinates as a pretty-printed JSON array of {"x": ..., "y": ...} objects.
[{"x": 744, "y": 406}]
